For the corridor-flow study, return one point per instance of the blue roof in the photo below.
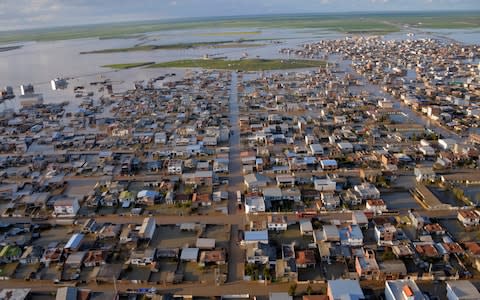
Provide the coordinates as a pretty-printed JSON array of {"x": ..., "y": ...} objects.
[
  {"x": 147, "y": 193},
  {"x": 345, "y": 289},
  {"x": 74, "y": 241},
  {"x": 252, "y": 236}
]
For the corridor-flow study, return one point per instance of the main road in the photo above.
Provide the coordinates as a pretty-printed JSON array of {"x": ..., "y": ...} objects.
[{"x": 236, "y": 216}]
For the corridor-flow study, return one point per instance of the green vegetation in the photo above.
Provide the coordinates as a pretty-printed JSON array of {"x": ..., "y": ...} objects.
[
  {"x": 245, "y": 64},
  {"x": 292, "y": 289},
  {"x": 388, "y": 255},
  {"x": 128, "y": 66},
  {"x": 217, "y": 44},
  {"x": 349, "y": 23}
]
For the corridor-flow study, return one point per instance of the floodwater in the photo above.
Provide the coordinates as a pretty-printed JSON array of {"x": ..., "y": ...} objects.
[{"x": 39, "y": 62}]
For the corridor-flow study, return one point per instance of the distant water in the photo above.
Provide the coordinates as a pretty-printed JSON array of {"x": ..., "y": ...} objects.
[{"x": 39, "y": 62}]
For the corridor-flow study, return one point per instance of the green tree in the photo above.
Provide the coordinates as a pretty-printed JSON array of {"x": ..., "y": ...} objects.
[
  {"x": 309, "y": 290},
  {"x": 388, "y": 255},
  {"x": 266, "y": 273},
  {"x": 292, "y": 289}
]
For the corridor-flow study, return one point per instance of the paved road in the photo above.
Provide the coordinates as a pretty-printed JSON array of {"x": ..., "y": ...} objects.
[
  {"x": 237, "y": 288},
  {"x": 236, "y": 254}
]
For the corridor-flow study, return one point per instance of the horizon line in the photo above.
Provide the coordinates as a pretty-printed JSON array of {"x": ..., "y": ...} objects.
[{"x": 247, "y": 16}]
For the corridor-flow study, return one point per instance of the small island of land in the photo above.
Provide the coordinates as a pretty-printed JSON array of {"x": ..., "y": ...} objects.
[
  {"x": 243, "y": 64},
  {"x": 128, "y": 66},
  {"x": 218, "y": 44},
  {"x": 10, "y": 48}
]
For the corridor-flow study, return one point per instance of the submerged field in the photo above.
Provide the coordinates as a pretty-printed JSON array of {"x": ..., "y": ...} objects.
[
  {"x": 128, "y": 66},
  {"x": 244, "y": 64},
  {"x": 353, "y": 23},
  {"x": 178, "y": 46}
]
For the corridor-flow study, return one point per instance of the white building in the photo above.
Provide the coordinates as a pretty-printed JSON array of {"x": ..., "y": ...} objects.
[
  {"x": 344, "y": 289},
  {"x": 316, "y": 149},
  {"x": 367, "y": 191},
  {"x": 325, "y": 184},
  {"x": 345, "y": 147},
  {"x": 66, "y": 208},
  {"x": 328, "y": 164},
  {"x": 160, "y": 138},
  {"x": 148, "y": 228},
  {"x": 254, "y": 204},
  {"x": 427, "y": 150},
  {"x": 277, "y": 222},
  {"x": 446, "y": 144},
  {"x": 376, "y": 205},
  {"x": 58, "y": 84},
  {"x": 175, "y": 167},
  {"x": 26, "y": 89},
  {"x": 405, "y": 289},
  {"x": 306, "y": 227},
  {"x": 424, "y": 174}
]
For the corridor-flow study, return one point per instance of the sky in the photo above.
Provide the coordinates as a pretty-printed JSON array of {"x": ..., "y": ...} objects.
[{"x": 21, "y": 14}]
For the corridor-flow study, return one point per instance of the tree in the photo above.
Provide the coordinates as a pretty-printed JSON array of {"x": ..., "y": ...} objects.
[
  {"x": 266, "y": 273},
  {"x": 309, "y": 290},
  {"x": 292, "y": 289},
  {"x": 388, "y": 255}
]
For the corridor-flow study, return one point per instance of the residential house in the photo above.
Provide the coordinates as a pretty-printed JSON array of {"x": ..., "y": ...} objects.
[
  {"x": 74, "y": 243},
  {"x": 404, "y": 289},
  {"x": 324, "y": 184},
  {"x": 147, "y": 229},
  {"x": 255, "y": 237},
  {"x": 277, "y": 222},
  {"x": 95, "y": 258},
  {"x": 328, "y": 164},
  {"x": 351, "y": 236},
  {"x": 392, "y": 269},
  {"x": 366, "y": 265},
  {"x": 212, "y": 257},
  {"x": 461, "y": 290},
  {"x": 385, "y": 234},
  {"x": 109, "y": 231},
  {"x": 205, "y": 244},
  {"x": 305, "y": 259},
  {"x": 143, "y": 258},
  {"x": 255, "y": 181},
  {"x": 66, "y": 208},
  {"x": 189, "y": 254},
  {"x": 306, "y": 227},
  {"x": 424, "y": 174},
  {"x": 434, "y": 229},
  {"x": 344, "y": 289},
  {"x": 254, "y": 203},
  {"x": 426, "y": 250},
  {"x": 128, "y": 234},
  {"x": 331, "y": 233},
  {"x": 378, "y": 206},
  {"x": 260, "y": 253},
  {"x": 469, "y": 218},
  {"x": 330, "y": 201},
  {"x": 367, "y": 191},
  {"x": 147, "y": 197}
]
